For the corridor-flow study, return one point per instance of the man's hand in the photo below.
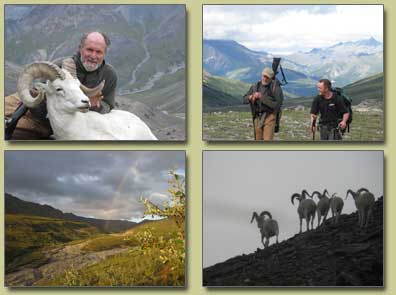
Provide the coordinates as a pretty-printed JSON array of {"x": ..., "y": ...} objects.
[
  {"x": 343, "y": 125},
  {"x": 95, "y": 100},
  {"x": 33, "y": 92},
  {"x": 255, "y": 96}
]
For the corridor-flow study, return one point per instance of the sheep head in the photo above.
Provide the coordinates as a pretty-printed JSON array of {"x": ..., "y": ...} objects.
[
  {"x": 61, "y": 85},
  {"x": 266, "y": 213}
]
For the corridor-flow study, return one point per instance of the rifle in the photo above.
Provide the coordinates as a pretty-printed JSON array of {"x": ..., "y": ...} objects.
[
  {"x": 10, "y": 123},
  {"x": 275, "y": 65}
]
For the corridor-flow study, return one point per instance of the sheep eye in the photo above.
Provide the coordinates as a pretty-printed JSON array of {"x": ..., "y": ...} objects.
[{"x": 59, "y": 89}]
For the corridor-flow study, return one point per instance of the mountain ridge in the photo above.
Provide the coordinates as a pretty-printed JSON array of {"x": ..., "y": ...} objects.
[{"x": 14, "y": 205}]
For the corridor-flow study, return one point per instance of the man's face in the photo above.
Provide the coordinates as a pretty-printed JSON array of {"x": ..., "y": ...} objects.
[
  {"x": 93, "y": 52},
  {"x": 322, "y": 89},
  {"x": 265, "y": 79}
]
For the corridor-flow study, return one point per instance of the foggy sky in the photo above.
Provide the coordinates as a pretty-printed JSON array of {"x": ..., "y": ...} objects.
[
  {"x": 285, "y": 29},
  {"x": 237, "y": 183},
  {"x": 99, "y": 184}
]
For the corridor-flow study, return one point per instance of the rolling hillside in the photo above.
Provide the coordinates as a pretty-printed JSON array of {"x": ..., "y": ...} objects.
[
  {"x": 27, "y": 237},
  {"x": 14, "y": 205}
]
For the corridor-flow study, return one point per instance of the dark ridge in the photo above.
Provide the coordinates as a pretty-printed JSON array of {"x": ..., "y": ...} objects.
[
  {"x": 332, "y": 255},
  {"x": 14, "y": 205}
]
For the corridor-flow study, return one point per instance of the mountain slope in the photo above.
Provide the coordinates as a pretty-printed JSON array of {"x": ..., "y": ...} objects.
[
  {"x": 147, "y": 41},
  {"x": 14, "y": 205},
  {"x": 343, "y": 63},
  {"x": 332, "y": 255},
  {"x": 26, "y": 237},
  {"x": 370, "y": 88}
]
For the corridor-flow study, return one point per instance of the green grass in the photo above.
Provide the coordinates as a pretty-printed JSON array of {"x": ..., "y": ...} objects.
[
  {"x": 133, "y": 268},
  {"x": 27, "y": 237},
  {"x": 237, "y": 126}
]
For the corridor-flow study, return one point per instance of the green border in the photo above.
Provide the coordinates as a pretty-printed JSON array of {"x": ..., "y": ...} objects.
[{"x": 195, "y": 145}]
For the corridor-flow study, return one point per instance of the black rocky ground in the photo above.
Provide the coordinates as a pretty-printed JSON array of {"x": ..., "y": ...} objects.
[{"x": 332, "y": 255}]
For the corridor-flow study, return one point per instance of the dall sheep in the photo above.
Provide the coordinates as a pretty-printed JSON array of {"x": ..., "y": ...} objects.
[
  {"x": 364, "y": 201},
  {"x": 336, "y": 205},
  {"x": 68, "y": 107},
  {"x": 323, "y": 206},
  {"x": 268, "y": 227},
  {"x": 306, "y": 209}
]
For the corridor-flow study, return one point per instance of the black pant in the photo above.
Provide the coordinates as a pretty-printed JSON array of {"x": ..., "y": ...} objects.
[{"x": 329, "y": 132}]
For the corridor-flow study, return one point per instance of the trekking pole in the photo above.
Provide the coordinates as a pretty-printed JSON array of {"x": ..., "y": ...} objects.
[{"x": 313, "y": 129}]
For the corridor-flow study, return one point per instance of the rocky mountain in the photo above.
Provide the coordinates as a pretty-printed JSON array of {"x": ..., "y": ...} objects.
[
  {"x": 340, "y": 254},
  {"x": 14, "y": 205},
  {"x": 343, "y": 62}
]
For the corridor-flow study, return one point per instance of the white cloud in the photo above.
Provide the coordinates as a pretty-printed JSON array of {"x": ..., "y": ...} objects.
[{"x": 285, "y": 28}]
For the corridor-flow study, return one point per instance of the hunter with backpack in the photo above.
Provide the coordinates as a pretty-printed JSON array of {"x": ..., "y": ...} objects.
[
  {"x": 335, "y": 112},
  {"x": 265, "y": 98}
]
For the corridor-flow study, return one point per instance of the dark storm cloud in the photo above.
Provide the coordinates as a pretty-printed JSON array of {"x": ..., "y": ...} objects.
[{"x": 103, "y": 184}]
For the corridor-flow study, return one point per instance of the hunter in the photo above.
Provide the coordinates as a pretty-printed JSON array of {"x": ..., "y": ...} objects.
[
  {"x": 265, "y": 98},
  {"x": 333, "y": 112},
  {"x": 91, "y": 69}
]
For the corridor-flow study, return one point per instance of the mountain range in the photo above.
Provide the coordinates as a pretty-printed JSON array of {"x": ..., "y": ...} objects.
[
  {"x": 14, "y": 205},
  {"x": 223, "y": 94},
  {"x": 343, "y": 63}
]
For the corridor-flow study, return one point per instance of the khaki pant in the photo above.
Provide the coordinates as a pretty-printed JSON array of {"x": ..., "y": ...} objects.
[
  {"x": 28, "y": 127},
  {"x": 267, "y": 131}
]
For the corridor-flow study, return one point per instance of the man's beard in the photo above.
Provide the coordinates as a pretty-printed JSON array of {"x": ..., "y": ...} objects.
[{"x": 89, "y": 66}]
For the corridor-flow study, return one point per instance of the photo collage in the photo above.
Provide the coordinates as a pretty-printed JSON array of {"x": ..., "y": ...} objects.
[{"x": 137, "y": 155}]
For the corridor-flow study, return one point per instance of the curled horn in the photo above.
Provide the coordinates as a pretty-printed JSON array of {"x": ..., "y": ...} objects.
[
  {"x": 70, "y": 65},
  {"x": 266, "y": 213},
  {"x": 350, "y": 192},
  {"x": 304, "y": 193},
  {"x": 47, "y": 70},
  {"x": 316, "y": 193},
  {"x": 253, "y": 216},
  {"x": 296, "y": 195},
  {"x": 362, "y": 190}
]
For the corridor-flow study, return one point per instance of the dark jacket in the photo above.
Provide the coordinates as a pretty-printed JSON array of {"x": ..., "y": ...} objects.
[
  {"x": 271, "y": 101},
  {"x": 92, "y": 79},
  {"x": 89, "y": 79},
  {"x": 331, "y": 110}
]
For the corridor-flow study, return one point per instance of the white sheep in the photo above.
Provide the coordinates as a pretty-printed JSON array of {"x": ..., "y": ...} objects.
[
  {"x": 336, "y": 206},
  {"x": 68, "y": 108},
  {"x": 268, "y": 227},
  {"x": 323, "y": 206},
  {"x": 306, "y": 209},
  {"x": 364, "y": 201}
]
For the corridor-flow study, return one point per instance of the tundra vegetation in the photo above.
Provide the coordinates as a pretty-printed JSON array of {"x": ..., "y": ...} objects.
[
  {"x": 64, "y": 253},
  {"x": 157, "y": 255}
]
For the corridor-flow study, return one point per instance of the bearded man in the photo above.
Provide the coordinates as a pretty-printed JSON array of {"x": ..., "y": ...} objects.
[
  {"x": 265, "y": 98},
  {"x": 91, "y": 69}
]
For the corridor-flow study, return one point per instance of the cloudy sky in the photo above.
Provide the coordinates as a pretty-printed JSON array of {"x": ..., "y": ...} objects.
[
  {"x": 285, "y": 29},
  {"x": 237, "y": 183},
  {"x": 99, "y": 184}
]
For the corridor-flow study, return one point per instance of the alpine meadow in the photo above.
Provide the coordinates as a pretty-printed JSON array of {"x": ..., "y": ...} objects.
[{"x": 235, "y": 55}]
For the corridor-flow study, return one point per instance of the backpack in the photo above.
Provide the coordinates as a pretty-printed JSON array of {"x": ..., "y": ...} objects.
[{"x": 347, "y": 101}]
